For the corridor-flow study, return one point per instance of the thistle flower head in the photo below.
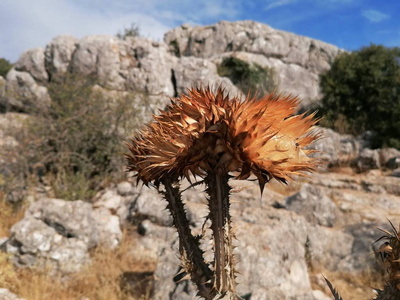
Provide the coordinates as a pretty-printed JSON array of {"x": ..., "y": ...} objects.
[
  {"x": 204, "y": 131},
  {"x": 390, "y": 254}
]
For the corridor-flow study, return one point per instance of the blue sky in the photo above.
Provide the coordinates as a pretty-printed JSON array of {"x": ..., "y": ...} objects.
[{"x": 348, "y": 24}]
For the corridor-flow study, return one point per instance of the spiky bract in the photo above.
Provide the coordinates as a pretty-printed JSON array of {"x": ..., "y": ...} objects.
[
  {"x": 203, "y": 130},
  {"x": 390, "y": 254}
]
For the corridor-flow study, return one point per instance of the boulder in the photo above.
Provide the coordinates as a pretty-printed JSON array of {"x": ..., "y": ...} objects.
[
  {"x": 368, "y": 159},
  {"x": 99, "y": 55},
  {"x": 195, "y": 72},
  {"x": 124, "y": 188},
  {"x": 32, "y": 61},
  {"x": 134, "y": 64},
  {"x": 58, "y": 234},
  {"x": 389, "y": 158},
  {"x": 149, "y": 205},
  {"x": 396, "y": 173},
  {"x": 336, "y": 149},
  {"x": 23, "y": 94},
  {"x": 313, "y": 203},
  {"x": 58, "y": 55},
  {"x": 151, "y": 71}
]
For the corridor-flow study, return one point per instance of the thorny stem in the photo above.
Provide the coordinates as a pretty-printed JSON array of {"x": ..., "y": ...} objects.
[
  {"x": 224, "y": 263},
  {"x": 189, "y": 247}
]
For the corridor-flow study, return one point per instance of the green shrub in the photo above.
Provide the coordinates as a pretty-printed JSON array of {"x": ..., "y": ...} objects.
[
  {"x": 132, "y": 31},
  {"x": 247, "y": 77},
  {"x": 5, "y": 66},
  {"x": 362, "y": 92},
  {"x": 76, "y": 146}
]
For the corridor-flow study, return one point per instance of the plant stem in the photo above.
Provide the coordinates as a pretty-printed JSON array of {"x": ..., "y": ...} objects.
[
  {"x": 224, "y": 263},
  {"x": 189, "y": 247}
]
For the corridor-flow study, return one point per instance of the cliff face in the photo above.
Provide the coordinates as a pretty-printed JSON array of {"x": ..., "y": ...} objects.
[
  {"x": 297, "y": 60},
  {"x": 189, "y": 56}
]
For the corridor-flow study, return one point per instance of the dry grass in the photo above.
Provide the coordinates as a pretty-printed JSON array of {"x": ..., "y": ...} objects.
[
  {"x": 8, "y": 216},
  {"x": 350, "y": 286},
  {"x": 105, "y": 278}
]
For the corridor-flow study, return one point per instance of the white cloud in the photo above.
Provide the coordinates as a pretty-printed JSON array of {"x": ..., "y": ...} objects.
[
  {"x": 375, "y": 16},
  {"x": 27, "y": 24},
  {"x": 278, "y": 3}
]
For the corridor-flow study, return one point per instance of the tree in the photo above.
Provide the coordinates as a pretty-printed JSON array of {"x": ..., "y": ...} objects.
[
  {"x": 247, "y": 77},
  {"x": 362, "y": 89},
  {"x": 5, "y": 66}
]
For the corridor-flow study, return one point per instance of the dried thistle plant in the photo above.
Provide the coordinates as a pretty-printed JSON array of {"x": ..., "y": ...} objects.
[
  {"x": 212, "y": 137},
  {"x": 389, "y": 252}
]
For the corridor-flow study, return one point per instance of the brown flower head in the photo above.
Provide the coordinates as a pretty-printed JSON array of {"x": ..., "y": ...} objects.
[
  {"x": 390, "y": 254},
  {"x": 203, "y": 131}
]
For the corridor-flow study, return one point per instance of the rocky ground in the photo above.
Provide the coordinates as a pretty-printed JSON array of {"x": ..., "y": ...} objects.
[{"x": 286, "y": 239}]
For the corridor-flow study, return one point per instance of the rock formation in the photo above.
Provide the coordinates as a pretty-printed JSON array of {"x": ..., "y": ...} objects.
[{"x": 189, "y": 56}]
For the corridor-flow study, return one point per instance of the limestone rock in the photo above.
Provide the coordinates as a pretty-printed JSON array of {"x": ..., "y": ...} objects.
[
  {"x": 368, "y": 159},
  {"x": 151, "y": 71},
  {"x": 389, "y": 158},
  {"x": 32, "y": 61},
  {"x": 114, "y": 202},
  {"x": 163, "y": 70},
  {"x": 58, "y": 55},
  {"x": 297, "y": 60},
  {"x": 313, "y": 203},
  {"x": 251, "y": 37},
  {"x": 99, "y": 55},
  {"x": 285, "y": 75},
  {"x": 396, "y": 173},
  {"x": 132, "y": 64},
  {"x": 336, "y": 149},
  {"x": 149, "y": 205},
  {"x": 124, "y": 188},
  {"x": 7, "y": 295},
  {"x": 196, "y": 72},
  {"x": 23, "y": 94},
  {"x": 58, "y": 234}
]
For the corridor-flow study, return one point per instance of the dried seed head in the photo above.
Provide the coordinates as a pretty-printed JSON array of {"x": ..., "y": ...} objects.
[
  {"x": 202, "y": 131},
  {"x": 390, "y": 254}
]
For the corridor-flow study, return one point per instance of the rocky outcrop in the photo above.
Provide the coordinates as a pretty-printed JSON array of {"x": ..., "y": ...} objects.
[
  {"x": 313, "y": 203},
  {"x": 22, "y": 93},
  {"x": 328, "y": 224},
  {"x": 297, "y": 60},
  {"x": 58, "y": 55},
  {"x": 57, "y": 234},
  {"x": 188, "y": 57},
  {"x": 32, "y": 62},
  {"x": 336, "y": 149}
]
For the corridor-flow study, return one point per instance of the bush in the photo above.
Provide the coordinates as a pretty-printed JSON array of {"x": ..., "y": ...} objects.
[
  {"x": 362, "y": 92},
  {"x": 247, "y": 77},
  {"x": 132, "y": 31},
  {"x": 76, "y": 146},
  {"x": 5, "y": 66}
]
